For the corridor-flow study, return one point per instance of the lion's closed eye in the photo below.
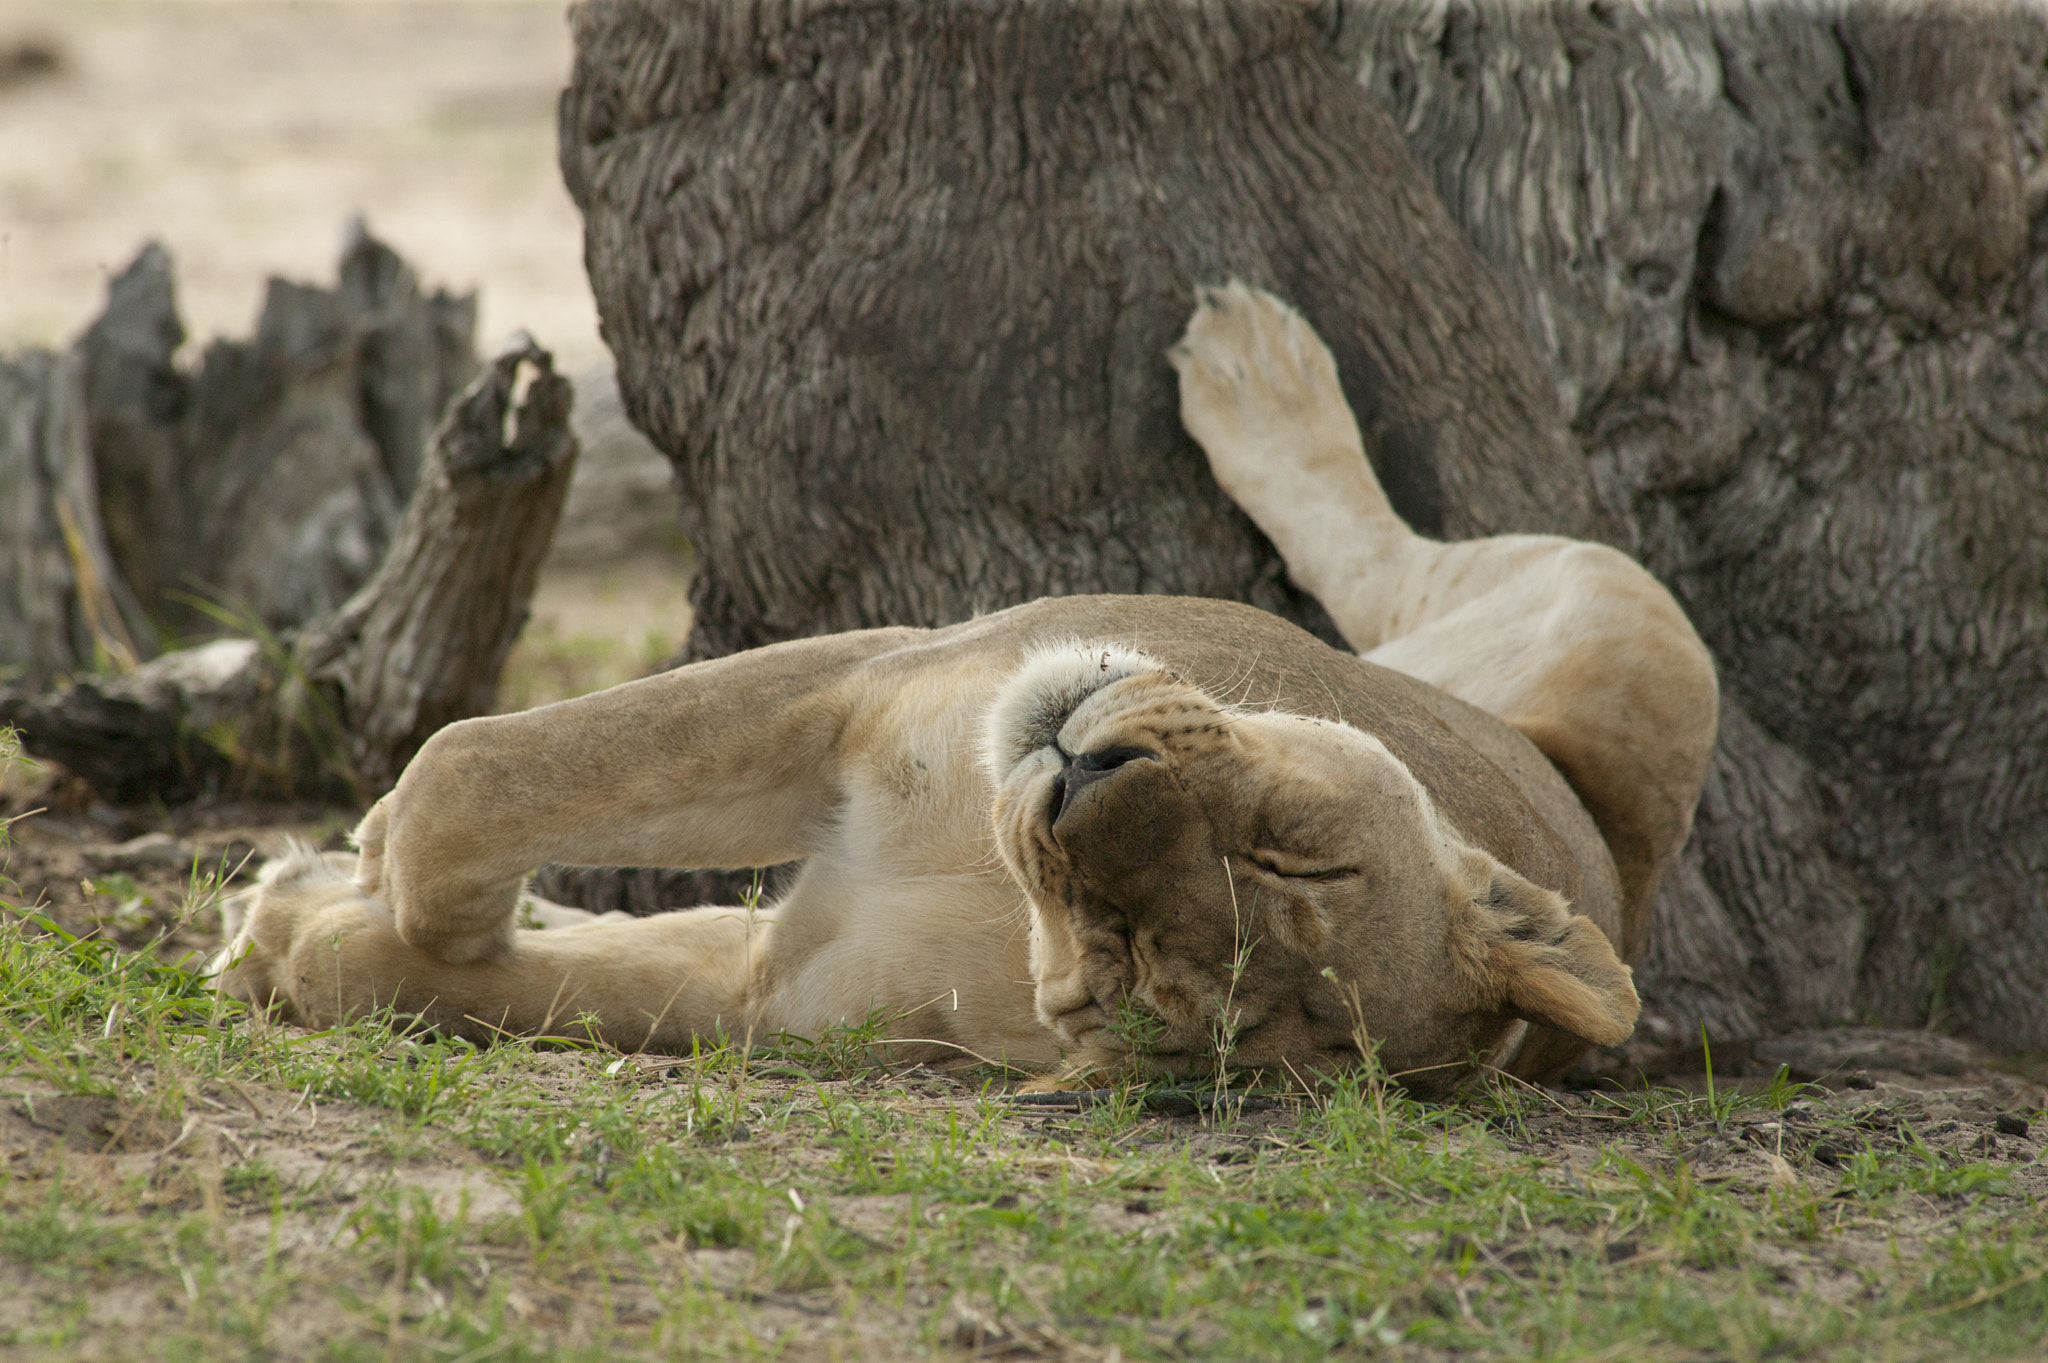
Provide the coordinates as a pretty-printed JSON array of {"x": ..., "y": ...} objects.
[{"x": 1293, "y": 866}]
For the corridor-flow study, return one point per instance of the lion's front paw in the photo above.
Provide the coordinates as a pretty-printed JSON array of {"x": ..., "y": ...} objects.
[
  {"x": 1259, "y": 392},
  {"x": 263, "y": 925}
]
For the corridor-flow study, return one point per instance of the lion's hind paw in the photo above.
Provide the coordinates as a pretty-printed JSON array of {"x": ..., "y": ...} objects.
[
  {"x": 1259, "y": 393},
  {"x": 260, "y": 925}
]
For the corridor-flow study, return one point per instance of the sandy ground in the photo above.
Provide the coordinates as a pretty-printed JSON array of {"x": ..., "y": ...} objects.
[{"x": 244, "y": 133}]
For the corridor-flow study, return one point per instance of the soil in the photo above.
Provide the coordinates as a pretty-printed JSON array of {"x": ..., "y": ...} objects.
[{"x": 334, "y": 1157}]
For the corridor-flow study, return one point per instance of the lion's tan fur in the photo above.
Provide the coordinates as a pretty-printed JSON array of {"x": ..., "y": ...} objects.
[{"x": 1016, "y": 829}]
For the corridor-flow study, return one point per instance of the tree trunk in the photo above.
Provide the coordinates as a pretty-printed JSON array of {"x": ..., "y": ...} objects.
[
  {"x": 907, "y": 353},
  {"x": 889, "y": 284},
  {"x": 339, "y": 710},
  {"x": 269, "y": 480},
  {"x": 1793, "y": 280},
  {"x": 63, "y": 605}
]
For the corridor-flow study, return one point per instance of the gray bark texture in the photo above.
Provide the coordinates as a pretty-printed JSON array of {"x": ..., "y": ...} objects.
[
  {"x": 889, "y": 284},
  {"x": 907, "y": 353},
  {"x": 339, "y": 709},
  {"x": 269, "y": 479},
  {"x": 63, "y": 605},
  {"x": 1789, "y": 266}
]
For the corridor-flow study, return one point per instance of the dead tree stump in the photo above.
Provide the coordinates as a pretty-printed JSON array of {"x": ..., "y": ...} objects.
[
  {"x": 338, "y": 709},
  {"x": 63, "y": 604},
  {"x": 422, "y": 644},
  {"x": 271, "y": 478}
]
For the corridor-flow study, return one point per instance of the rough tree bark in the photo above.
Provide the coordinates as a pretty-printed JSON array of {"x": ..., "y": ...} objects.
[
  {"x": 270, "y": 478},
  {"x": 907, "y": 353},
  {"x": 1790, "y": 268},
  {"x": 63, "y": 605},
  {"x": 341, "y": 707},
  {"x": 889, "y": 283}
]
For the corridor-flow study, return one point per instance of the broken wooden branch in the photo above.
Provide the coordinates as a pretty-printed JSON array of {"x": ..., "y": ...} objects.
[{"x": 422, "y": 644}]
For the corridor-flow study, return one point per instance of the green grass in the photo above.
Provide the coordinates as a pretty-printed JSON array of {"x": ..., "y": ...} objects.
[{"x": 245, "y": 1190}]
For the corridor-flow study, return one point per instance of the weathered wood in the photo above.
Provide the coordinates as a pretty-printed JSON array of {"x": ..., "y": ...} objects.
[
  {"x": 422, "y": 644},
  {"x": 63, "y": 605},
  {"x": 340, "y": 708},
  {"x": 180, "y": 726},
  {"x": 270, "y": 479}
]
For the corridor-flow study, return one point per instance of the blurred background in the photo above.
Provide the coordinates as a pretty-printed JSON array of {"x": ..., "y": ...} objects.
[{"x": 243, "y": 135}]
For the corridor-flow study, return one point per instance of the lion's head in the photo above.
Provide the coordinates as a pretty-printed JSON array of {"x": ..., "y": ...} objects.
[{"x": 1212, "y": 878}]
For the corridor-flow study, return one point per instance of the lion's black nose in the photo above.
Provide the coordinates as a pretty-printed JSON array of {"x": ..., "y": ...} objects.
[{"x": 1090, "y": 767}]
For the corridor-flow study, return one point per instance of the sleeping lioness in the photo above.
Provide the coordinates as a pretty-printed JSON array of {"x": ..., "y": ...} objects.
[{"x": 1142, "y": 832}]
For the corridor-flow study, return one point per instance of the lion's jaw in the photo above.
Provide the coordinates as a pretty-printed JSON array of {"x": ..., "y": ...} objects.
[{"x": 1212, "y": 886}]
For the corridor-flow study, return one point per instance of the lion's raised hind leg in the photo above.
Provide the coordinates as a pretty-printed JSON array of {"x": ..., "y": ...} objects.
[
  {"x": 1259, "y": 393},
  {"x": 1574, "y": 644}
]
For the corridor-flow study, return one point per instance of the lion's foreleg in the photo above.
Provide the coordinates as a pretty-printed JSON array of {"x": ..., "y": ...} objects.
[{"x": 727, "y": 763}]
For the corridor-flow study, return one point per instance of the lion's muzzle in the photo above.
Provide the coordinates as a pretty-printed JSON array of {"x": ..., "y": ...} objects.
[{"x": 1084, "y": 771}]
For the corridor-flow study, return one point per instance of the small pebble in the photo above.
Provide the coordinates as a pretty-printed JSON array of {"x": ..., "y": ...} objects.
[
  {"x": 1830, "y": 1155},
  {"x": 1859, "y": 1079},
  {"x": 2009, "y": 1124}
]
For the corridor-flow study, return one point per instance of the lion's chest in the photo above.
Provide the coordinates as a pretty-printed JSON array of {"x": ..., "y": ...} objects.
[
  {"x": 912, "y": 786},
  {"x": 905, "y": 907}
]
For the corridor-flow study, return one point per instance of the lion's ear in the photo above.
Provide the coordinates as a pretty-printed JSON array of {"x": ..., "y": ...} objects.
[{"x": 1531, "y": 956}]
